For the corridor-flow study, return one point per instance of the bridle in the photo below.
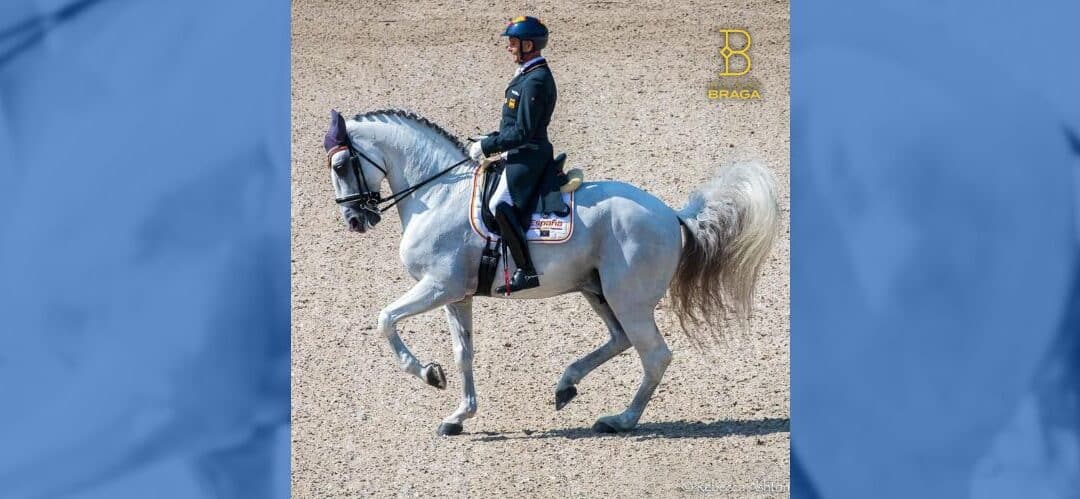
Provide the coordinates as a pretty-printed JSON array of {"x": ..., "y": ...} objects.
[{"x": 372, "y": 198}]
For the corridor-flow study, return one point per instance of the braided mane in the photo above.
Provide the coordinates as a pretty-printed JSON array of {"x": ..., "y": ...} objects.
[{"x": 409, "y": 115}]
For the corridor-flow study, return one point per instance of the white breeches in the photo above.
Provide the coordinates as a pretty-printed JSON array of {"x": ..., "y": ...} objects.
[{"x": 501, "y": 195}]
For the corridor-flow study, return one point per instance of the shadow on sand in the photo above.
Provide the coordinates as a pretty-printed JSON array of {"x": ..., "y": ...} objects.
[{"x": 649, "y": 431}]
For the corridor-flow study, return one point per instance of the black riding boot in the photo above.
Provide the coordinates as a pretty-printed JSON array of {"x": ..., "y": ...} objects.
[{"x": 525, "y": 276}]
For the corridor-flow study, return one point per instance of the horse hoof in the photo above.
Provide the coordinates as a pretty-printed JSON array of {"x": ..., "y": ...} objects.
[
  {"x": 434, "y": 376},
  {"x": 602, "y": 427},
  {"x": 449, "y": 429},
  {"x": 564, "y": 396}
]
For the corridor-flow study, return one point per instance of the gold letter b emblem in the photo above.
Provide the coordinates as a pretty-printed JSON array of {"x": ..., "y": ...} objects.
[{"x": 727, "y": 52}]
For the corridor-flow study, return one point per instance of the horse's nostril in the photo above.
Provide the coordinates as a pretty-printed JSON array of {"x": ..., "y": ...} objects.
[{"x": 354, "y": 223}]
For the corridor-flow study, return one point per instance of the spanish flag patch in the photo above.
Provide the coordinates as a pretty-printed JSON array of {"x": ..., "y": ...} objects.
[{"x": 511, "y": 102}]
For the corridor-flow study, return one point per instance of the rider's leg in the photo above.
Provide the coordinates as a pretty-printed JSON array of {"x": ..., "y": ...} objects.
[
  {"x": 525, "y": 276},
  {"x": 501, "y": 194},
  {"x": 502, "y": 206}
]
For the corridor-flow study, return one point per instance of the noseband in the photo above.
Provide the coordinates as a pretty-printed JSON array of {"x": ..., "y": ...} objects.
[{"x": 371, "y": 199}]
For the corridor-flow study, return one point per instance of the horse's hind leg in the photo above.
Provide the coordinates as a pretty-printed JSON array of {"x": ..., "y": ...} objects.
[
  {"x": 640, "y": 327},
  {"x": 459, "y": 315},
  {"x": 424, "y": 296},
  {"x": 616, "y": 344}
]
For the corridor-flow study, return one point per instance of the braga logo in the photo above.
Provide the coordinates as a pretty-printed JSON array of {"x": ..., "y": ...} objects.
[
  {"x": 734, "y": 52},
  {"x": 734, "y": 81}
]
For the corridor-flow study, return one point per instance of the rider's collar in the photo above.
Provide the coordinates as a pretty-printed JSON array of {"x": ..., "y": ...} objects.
[{"x": 529, "y": 63}]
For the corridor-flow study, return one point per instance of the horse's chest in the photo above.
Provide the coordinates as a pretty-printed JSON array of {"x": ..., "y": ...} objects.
[{"x": 438, "y": 248}]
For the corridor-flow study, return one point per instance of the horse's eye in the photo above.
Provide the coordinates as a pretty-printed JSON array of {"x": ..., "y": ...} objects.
[{"x": 339, "y": 160}]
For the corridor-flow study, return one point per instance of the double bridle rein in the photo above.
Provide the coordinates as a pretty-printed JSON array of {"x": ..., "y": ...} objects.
[{"x": 372, "y": 198}]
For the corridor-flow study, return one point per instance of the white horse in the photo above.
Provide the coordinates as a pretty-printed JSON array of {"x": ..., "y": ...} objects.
[{"x": 627, "y": 248}]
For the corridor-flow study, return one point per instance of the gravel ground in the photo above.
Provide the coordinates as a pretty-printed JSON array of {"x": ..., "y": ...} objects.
[{"x": 633, "y": 106}]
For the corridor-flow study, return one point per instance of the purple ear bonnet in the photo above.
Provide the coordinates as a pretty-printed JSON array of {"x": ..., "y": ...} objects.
[{"x": 336, "y": 134}]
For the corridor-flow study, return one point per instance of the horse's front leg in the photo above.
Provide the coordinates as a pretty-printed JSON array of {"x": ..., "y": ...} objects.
[
  {"x": 425, "y": 295},
  {"x": 459, "y": 315}
]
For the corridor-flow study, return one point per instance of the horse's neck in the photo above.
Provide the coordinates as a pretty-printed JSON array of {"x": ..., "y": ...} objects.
[{"x": 421, "y": 155}]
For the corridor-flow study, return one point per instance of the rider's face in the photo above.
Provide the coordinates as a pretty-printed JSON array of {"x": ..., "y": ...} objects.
[{"x": 513, "y": 46}]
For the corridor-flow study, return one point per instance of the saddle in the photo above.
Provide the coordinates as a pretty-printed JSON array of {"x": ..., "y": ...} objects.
[{"x": 552, "y": 185}]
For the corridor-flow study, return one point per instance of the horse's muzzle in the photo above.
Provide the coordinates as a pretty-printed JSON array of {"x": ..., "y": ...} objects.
[
  {"x": 361, "y": 220},
  {"x": 356, "y": 225}
]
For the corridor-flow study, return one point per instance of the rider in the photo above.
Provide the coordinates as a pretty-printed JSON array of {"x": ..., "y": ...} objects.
[{"x": 526, "y": 112}]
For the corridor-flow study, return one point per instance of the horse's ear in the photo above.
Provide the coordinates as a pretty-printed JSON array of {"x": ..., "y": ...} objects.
[{"x": 336, "y": 135}]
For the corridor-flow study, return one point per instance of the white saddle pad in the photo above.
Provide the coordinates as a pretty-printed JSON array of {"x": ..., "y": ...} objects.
[{"x": 548, "y": 229}]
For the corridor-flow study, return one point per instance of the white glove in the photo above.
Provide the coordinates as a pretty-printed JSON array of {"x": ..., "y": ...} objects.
[{"x": 476, "y": 152}]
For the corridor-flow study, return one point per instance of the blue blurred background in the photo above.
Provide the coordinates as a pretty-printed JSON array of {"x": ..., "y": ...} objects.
[
  {"x": 935, "y": 285},
  {"x": 144, "y": 249}
]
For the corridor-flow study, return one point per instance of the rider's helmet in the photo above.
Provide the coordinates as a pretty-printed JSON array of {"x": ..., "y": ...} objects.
[{"x": 528, "y": 28}]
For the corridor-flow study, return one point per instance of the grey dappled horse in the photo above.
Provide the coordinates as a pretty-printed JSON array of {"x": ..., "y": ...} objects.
[{"x": 628, "y": 247}]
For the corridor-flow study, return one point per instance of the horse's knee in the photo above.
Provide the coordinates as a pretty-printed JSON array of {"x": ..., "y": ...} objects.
[{"x": 386, "y": 323}]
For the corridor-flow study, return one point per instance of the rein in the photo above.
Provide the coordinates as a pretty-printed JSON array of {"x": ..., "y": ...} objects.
[{"x": 372, "y": 198}]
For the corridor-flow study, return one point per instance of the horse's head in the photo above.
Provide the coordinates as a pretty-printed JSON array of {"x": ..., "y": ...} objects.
[{"x": 356, "y": 172}]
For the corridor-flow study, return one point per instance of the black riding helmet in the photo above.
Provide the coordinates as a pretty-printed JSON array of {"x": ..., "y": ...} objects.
[{"x": 528, "y": 28}]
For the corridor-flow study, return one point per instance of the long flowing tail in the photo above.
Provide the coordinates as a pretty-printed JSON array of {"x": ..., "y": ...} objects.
[{"x": 732, "y": 222}]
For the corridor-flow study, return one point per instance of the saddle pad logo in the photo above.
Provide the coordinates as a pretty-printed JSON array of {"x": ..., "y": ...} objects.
[
  {"x": 511, "y": 102},
  {"x": 546, "y": 226}
]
